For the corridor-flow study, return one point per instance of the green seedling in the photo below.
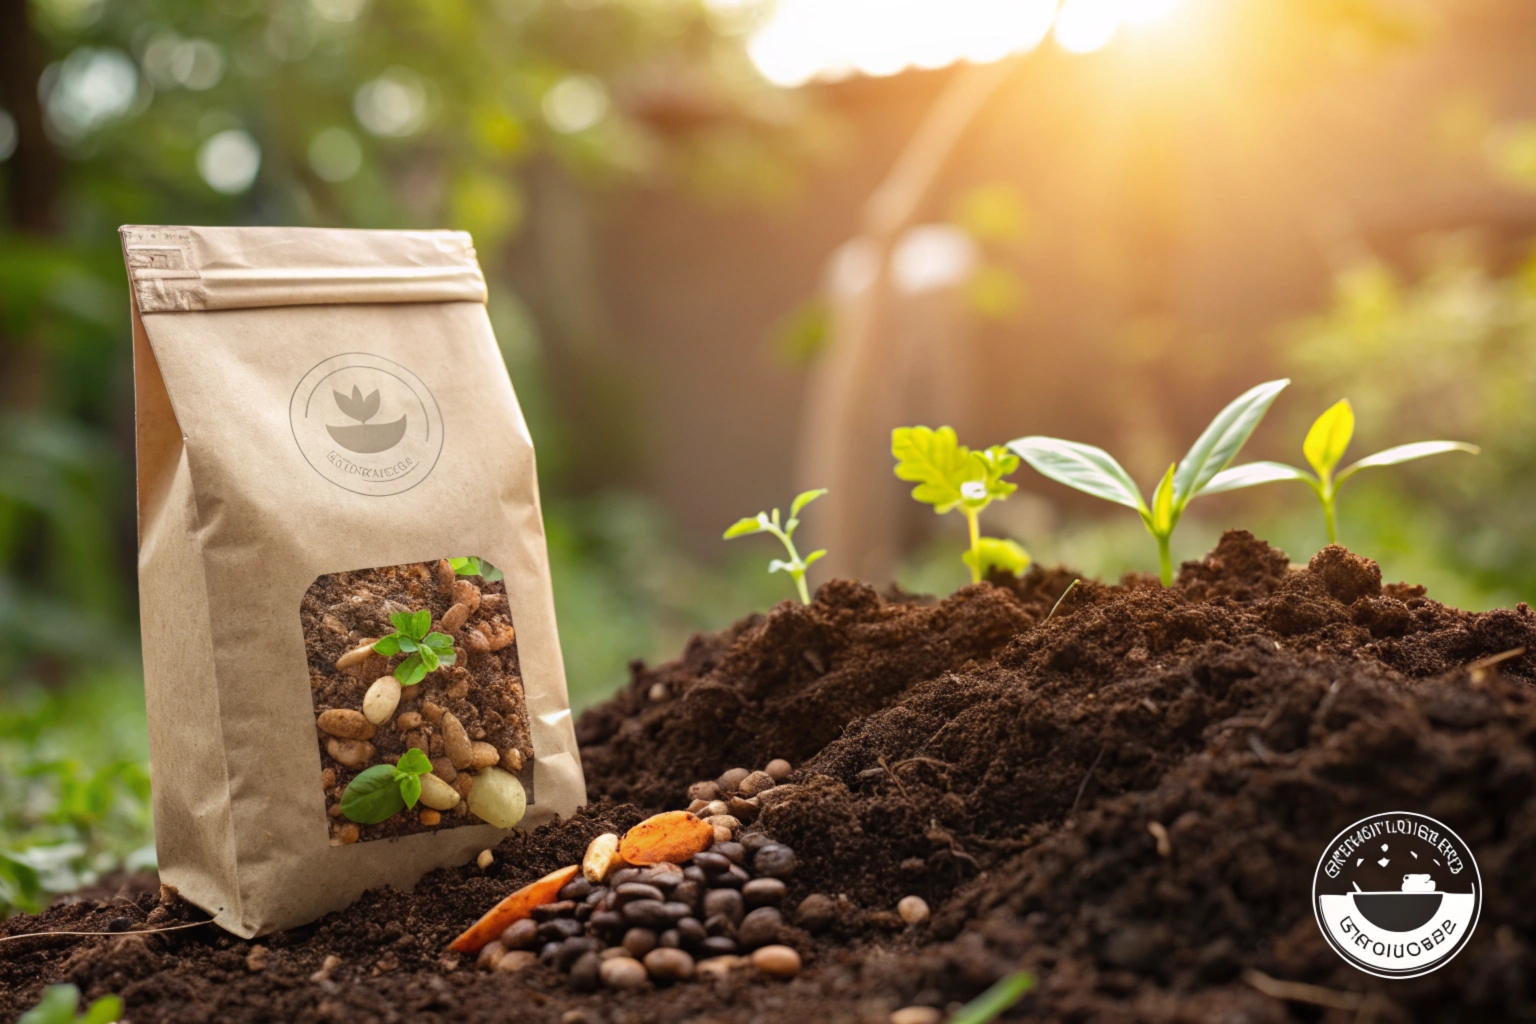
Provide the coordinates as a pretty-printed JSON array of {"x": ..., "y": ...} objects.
[
  {"x": 1094, "y": 471},
  {"x": 764, "y": 522},
  {"x": 426, "y": 650},
  {"x": 950, "y": 476},
  {"x": 994, "y": 1001},
  {"x": 381, "y": 792},
  {"x": 476, "y": 567},
  {"x": 1323, "y": 447},
  {"x": 60, "y": 1005}
]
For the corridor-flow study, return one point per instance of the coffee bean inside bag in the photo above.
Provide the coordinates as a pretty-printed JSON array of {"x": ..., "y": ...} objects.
[{"x": 350, "y": 657}]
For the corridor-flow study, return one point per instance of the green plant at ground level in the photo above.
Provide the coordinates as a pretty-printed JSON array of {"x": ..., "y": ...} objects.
[
  {"x": 1323, "y": 447},
  {"x": 476, "y": 567},
  {"x": 950, "y": 476},
  {"x": 987, "y": 1006},
  {"x": 412, "y": 636},
  {"x": 381, "y": 792},
  {"x": 60, "y": 1004},
  {"x": 763, "y": 522},
  {"x": 1094, "y": 471}
]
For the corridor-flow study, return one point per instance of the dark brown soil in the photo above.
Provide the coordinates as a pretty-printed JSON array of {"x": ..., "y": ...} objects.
[
  {"x": 483, "y": 689},
  {"x": 1007, "y": 769}
]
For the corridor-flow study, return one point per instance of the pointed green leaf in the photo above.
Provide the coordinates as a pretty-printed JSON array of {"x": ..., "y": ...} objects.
[
  {"x": 414, "y": 762},
  {"x": 411, "y": 671},
  {"x": 1329, "y": 437},
  {"x": 1219, "y": 444},
  {"x": 813, "y": 556},
  {"x": 1406, "y": 453},
  {"x": 388, "y": 646},
  {"x": 372, "y": 796},
  {"x": 988, "y": 1006},
  {"x": 742, "y": 527},
  {"x": 1163, "y": 505},
  {"x": 106, "y": 1010},
  {"x": 401, "y": 621},
  {"x": 1251, "y": 474},
  {"x": 1081, "y": 466},
  {"x": 428, "y": 656},
  {"x": 803, "y": 499},
  {"x": 995, "y": 553},
  {"x": 936, "y": 462},
  {"x": 410, "y": 788},
  {"x": 421, "y": 621}
]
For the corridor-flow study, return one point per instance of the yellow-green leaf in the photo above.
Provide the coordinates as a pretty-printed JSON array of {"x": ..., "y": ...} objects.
[
  {"x": 935, "y": 461},
  {"x": 995, "y": 553},
  {"x": 1162, "y": 503},
  {"x": 742, "y": 527},
  {"x": 1329, "y": 437}
]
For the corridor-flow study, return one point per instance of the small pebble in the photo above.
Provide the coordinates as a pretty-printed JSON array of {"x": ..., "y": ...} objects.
[
  {"x": 520, "y": 934},
  {"x": 516, "y": 960},
  {"x": 705, "y": 791},
  {"x": 669, "y": 964},
  {"x": 486, "y": 859},
  {"x": 743, "y": 809},
  {"x": 623, "y": 973},
  {"x": 723, "y": 834},
  {"x": 119, "y": 924},
  {"x": 713, "y": 808},
  {"x": 428, "y": 817},
  {"x": 727, "y": 821},
  {"x": 490, "y": 953},
  {"x": 775, "y": 860},
  {"x": 917, "y": 1015},
  {"x": 913, "y": 909},
  {"x": 762, "y": 892},
  {"x": 778, "y": 769},
  {"x": 816, "y": 912},
  {"x": 776, "y": 961},
  {"x": 659, "y": 693},
  {"x": 755, "y": 783},
  {"x": 731, "y": 779},
  {"x": 697, "y": 806}
]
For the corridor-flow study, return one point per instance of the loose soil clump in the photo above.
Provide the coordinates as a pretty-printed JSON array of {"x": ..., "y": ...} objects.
[{"x": 1127, "y": 798}]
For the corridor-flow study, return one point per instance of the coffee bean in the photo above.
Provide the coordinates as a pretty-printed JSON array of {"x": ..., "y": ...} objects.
[
  {"x": 622, "y": 973},
  {"x": 760, "y": 927},
  {"x": 776, "y": 961},
  {"x": 647, "y": 914},
  {"x": 489, "y": 953},
  {"x": 692, "y": 930},
  {"x": 670, "y": 939},
  {"x": 816, "y": 912},
  {"x": 605, "y": 921},
  {"x": 743, "y": 809},
  {"x": 677, "y": 911},
  {"x": 574, "y": 949},
  {"x": 719, "y": 924},
  {"x": 548, "y": 952},
  {"x": 664, "y": 875},
  {"x": 576, "y": 889},
  {"x": 712, "y": 863},
  {"x": 734, "y": 852},
  {"x": 550, "y": 911},
  {"x": 735, "y": 878},
  {"x": 585, "y": 973},
  {"x": 688, "y": 892},
  {"x": 669, "y": 964},
  {"x": 778, "y": 769},
  {"x": 755, "y": 783},
  {"x": 762, "y": 892},
  {"x": 583, "y": 911},
  {"x": 718, "y": 945},
  {"x": 631, "y": 891},
  {"x": 119, "y": 924},
  {"x": 775, "y": 860},
  {"x": 623, "y": 875},
  {"x": 596, "y": 895},
  {"x": 727, "y": 902},
  {"x": 694, "y": 873},
  {"x": 731, "y": 779},
  {"x": 515, "y": 960},
  {"x": 559, "y": 929},
  {"x": 520, "y": 934},
  {"x": 913, "y": 909},
  {"x": 753, "y": 841},
  {"x": 639, "y": 941}
]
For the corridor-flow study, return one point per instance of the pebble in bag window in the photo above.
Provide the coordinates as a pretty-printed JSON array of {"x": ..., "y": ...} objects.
[{"x": 351, "y": 665}]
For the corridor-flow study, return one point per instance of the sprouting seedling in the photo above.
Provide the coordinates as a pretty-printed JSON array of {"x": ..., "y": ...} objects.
[
  {"x": 426, "y": 650},
  {"x": 991, "y": 1003},
  {"x": 356, "y": 406},
  {"x": 765, "y": 522},
  {"x": 476, "y": 567},
  {"x": 950, "y": 476},
  {"x": 1094, "y": 471},
  {"x": 1323, "y": 447},
  {"x": 381, "y": 792},
  {"x": 60, "y": 1004}
]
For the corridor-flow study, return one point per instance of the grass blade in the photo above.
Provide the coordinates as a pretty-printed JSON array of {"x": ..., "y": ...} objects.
[{"x": 995, "y": 1000}]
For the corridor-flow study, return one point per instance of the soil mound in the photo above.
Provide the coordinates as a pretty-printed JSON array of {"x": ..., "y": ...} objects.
[{"x": 1128, "y": 797}]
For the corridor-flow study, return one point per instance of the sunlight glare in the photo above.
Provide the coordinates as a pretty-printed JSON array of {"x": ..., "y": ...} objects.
[{"x": 1084, "y": 26}]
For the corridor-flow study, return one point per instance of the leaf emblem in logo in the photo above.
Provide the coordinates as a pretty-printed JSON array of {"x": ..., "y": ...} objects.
[{"x": 363, "y": 437}]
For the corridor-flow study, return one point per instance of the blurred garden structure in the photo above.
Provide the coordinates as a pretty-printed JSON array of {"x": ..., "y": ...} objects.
[{"x": 731, "y": 244}]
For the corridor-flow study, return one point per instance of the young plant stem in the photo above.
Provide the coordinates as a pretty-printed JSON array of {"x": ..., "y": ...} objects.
[
  {"x": 973, "y": 517},
  {"x": 1165, "y": 557},
  {"x": 797, "y": 567}
]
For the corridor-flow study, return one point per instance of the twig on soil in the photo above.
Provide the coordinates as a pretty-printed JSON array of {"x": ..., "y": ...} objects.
[
  {"x": 131, "y": 931},
  {"x": 1301, "y": 992},
  {"x": 1083, "y": 786},
  {"x": 1476, "y": 668},
  {"x": 1060, "y": 599},
  {"x": 894, "y": 778}
]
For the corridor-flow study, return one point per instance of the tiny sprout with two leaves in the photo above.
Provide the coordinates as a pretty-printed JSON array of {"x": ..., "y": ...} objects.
[
  {"x": 949, "y": 476},
  {"x": 764, "y": 522},
  {"x": 379, "y": 793},
  {"x": 60, "y": 1005},
  {"x": 1094, "y": 471},
  {"x": 1324, "y": 447},
  {"x": 427, "y": 650},
  {"x": 476, "y": 567}
]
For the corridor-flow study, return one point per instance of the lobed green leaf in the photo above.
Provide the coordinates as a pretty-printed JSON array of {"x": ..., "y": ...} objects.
[
  {"x": 1081, "y": 467},
  {"x": 1329, "y": 436},
  {"x": 1220, "y": 442},
  {"x": 936, "y": 462}
]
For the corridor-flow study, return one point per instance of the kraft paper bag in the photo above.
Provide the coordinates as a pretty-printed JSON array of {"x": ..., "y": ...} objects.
[{"x": 334, "y": 479}]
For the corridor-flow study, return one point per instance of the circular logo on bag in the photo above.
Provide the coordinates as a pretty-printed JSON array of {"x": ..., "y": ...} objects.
[
  {"x": 1397, "y": 894},
  {"x": 366, "y": 423}
]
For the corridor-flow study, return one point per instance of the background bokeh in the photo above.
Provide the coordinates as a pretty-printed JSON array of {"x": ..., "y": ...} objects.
[{"x": 1099, "y": 222}]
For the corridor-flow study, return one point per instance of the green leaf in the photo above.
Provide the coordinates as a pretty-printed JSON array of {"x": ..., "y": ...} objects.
[
  {"x": 429, "y": 657},
  {"x": 936, "y": 462},
  {"x": 994, "y": 553},
  {"x": 803, "y": 499},
  {"x": 490, "y": 573},
  {"x": 995, "y": 463},
  {"x": 414, "y": 761},
  {"x": 388, "y": 646},
  {"x": 987, "y": 1006},
  {"x": 1329, "y": 436},
  {"x": 813, "y": 556},
  {"x": 421, "y": 621},
  {"x": 1162, "y": 504},
  {"x": 1219, "y": 444},
  {"x": 407, "y": 645},
  {"x": 1080, "y": 466},
  {"x": 56, "y": 1007},
  {"x": 742, "y": 527},
  {"x": 410, "y": 788},
  {"x": 464, "y": 566},
  {"x": 1407, "y": 453},
  {"x": 1251, "y": 474},
  {"x": 439, "y": 642},
  {"x": 106, "y": 1010},
  {"x": 20, "y": 885},
  {"x": 372, "y": 796},
  {"x": 401, "y": 621},
  {"x": 411, "y": 671}
]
